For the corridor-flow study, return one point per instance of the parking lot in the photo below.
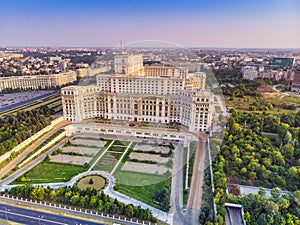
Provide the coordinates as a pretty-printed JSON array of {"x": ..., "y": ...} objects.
[{"x": 13, "y": 100}]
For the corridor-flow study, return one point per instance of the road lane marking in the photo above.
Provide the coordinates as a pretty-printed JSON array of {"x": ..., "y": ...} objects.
[{"x": 30, "y": 217}]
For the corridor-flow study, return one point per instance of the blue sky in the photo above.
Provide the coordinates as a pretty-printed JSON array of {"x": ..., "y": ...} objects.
[{"x": 214, "y": 23}]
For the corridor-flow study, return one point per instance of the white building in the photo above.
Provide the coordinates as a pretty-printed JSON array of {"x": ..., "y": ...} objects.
[
  {"x": 37, "y": 81},
  {"x": 296, "y": 81},
  {"x": 250, "y": 72},
  {"x": 83, "y": 72},
  {"x": 128, "y": 64},
  {"x": 135, "y": 94}
]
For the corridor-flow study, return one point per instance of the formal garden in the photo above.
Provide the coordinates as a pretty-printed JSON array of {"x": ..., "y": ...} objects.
[{"x": 143, "y": 170}]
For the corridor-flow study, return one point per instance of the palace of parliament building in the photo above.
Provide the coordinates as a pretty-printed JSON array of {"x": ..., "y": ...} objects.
[{"x": 154, "y": 92}]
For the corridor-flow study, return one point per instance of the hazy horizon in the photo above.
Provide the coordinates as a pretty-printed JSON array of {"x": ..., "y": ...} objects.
[{"x": 232, "y": 24}]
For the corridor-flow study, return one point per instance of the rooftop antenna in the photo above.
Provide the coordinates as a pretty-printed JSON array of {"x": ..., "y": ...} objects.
[{"x": 121, "y": 44}]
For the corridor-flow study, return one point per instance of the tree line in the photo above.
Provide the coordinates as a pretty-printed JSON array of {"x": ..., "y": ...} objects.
[
  {"x": 15, "y": 128},
  {"x": 89, "y": 198},
  {"x": 276, "y": 210},
  {"x": 262, "y": 150}
]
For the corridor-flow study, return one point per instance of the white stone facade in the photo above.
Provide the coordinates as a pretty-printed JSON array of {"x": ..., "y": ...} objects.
[
  {"x": 142, "y": 98},
  {"x": 35, "y": 82},
  {"x": 250, "y": 72}
]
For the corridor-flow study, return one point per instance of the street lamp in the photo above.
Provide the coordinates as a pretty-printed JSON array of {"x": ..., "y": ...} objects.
[
  {"x": 6, "y": 210},
  {"x": 40, "y": 217}
]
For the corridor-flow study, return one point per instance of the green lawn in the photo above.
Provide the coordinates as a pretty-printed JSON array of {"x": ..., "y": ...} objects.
[
  {"x": 120, "y": 142},
  {"x": 47, "y": 172},
  {"x": 142, "y": 179},
  {"x": 50, "y": 102},
  {"x": 141, "y": 186},
  {"x": 98, "y": 183},
  {"x": 108, "y": 161},
  {"x": 117, "y": 148},
  {"x": 243, "y": 104},
  {"x": 186, "y": 192}
]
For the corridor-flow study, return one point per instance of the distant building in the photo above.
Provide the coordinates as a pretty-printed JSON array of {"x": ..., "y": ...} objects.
[
  {"x": 55, "y": 58},
  {"x": 159, "y": 69},
  {"x": 128, "y": 64},
  {"x": 261, "y": 69},
  {"x": 250, "y": 72},
  {"x": 81, "y": 72},
  {"x": 90, "y": 71},
  {"x": 37, "y": 81},
  {"x": 283, "y": 61},
  {"x": 296, "y": 81},
  {"x": 63, "y": 65}
]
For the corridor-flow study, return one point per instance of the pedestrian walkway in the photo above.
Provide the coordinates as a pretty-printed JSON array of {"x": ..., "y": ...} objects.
[{"x": 92, "y": 166}]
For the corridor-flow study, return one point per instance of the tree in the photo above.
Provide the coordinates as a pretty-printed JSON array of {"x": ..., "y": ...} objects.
[
  {"x": 68, "y": 194},
  {"x": 288, "y": 151},
  {"x": 82, "y": 201},
  {"x": 75, "y": 199},
  {"x": 84, "y": 198},
  {"x": 93, "y": 202},
  {"x": 288, "y": 137},
  {"x": 34, "y": 194},
  {"x": 163, "y": 198},
  {"x": 271, "y": 207},
  {"x": 292, "y": 219},
  {"x": 130, "y": 211},
  {"x": 262, "y": 219},
  {"x": 262, "y": 192},
  {"x": 60, "y": 191},
  {"x": 297, "y": 197},
  {"x": 284, "y": 203},
  {"x": 47, "y": 158},
  {"x": 279, "y": 220},
  {"x": 52, "y": 194},
  {"x": 100, "y": 205},
  {"x": 91, "y": 181},
  {"x": 275, "y": 192},
  {"x": 247, "y": 217}
]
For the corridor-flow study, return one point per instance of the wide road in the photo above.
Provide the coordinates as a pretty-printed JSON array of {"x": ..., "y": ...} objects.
[
  {"x": 195, "y": 196},
  {"x": 32, "y": 217},
  {"x": 26, "y": 102},
  {"x": 177, "y": 186},
  {"x": 64, "y": 212},
  {"x": 12, "y": 164}
]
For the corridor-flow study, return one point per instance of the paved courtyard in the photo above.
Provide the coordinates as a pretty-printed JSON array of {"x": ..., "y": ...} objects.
[
  {"x": 71, "y": 159},
  {"x": 148, "y": 147},
  {"x": 80, "y": 150},
  {"x": 88, "y": 142},
  {"x": 145, "y": 168},
  {"x": 151, "y": 157}
]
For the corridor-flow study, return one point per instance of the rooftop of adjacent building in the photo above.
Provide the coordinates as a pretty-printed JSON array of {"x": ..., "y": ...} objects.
[{"x": 142, "y": 76}]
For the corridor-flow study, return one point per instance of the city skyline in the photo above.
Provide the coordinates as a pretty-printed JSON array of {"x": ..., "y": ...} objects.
[{"x": 217, "y": 24}]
